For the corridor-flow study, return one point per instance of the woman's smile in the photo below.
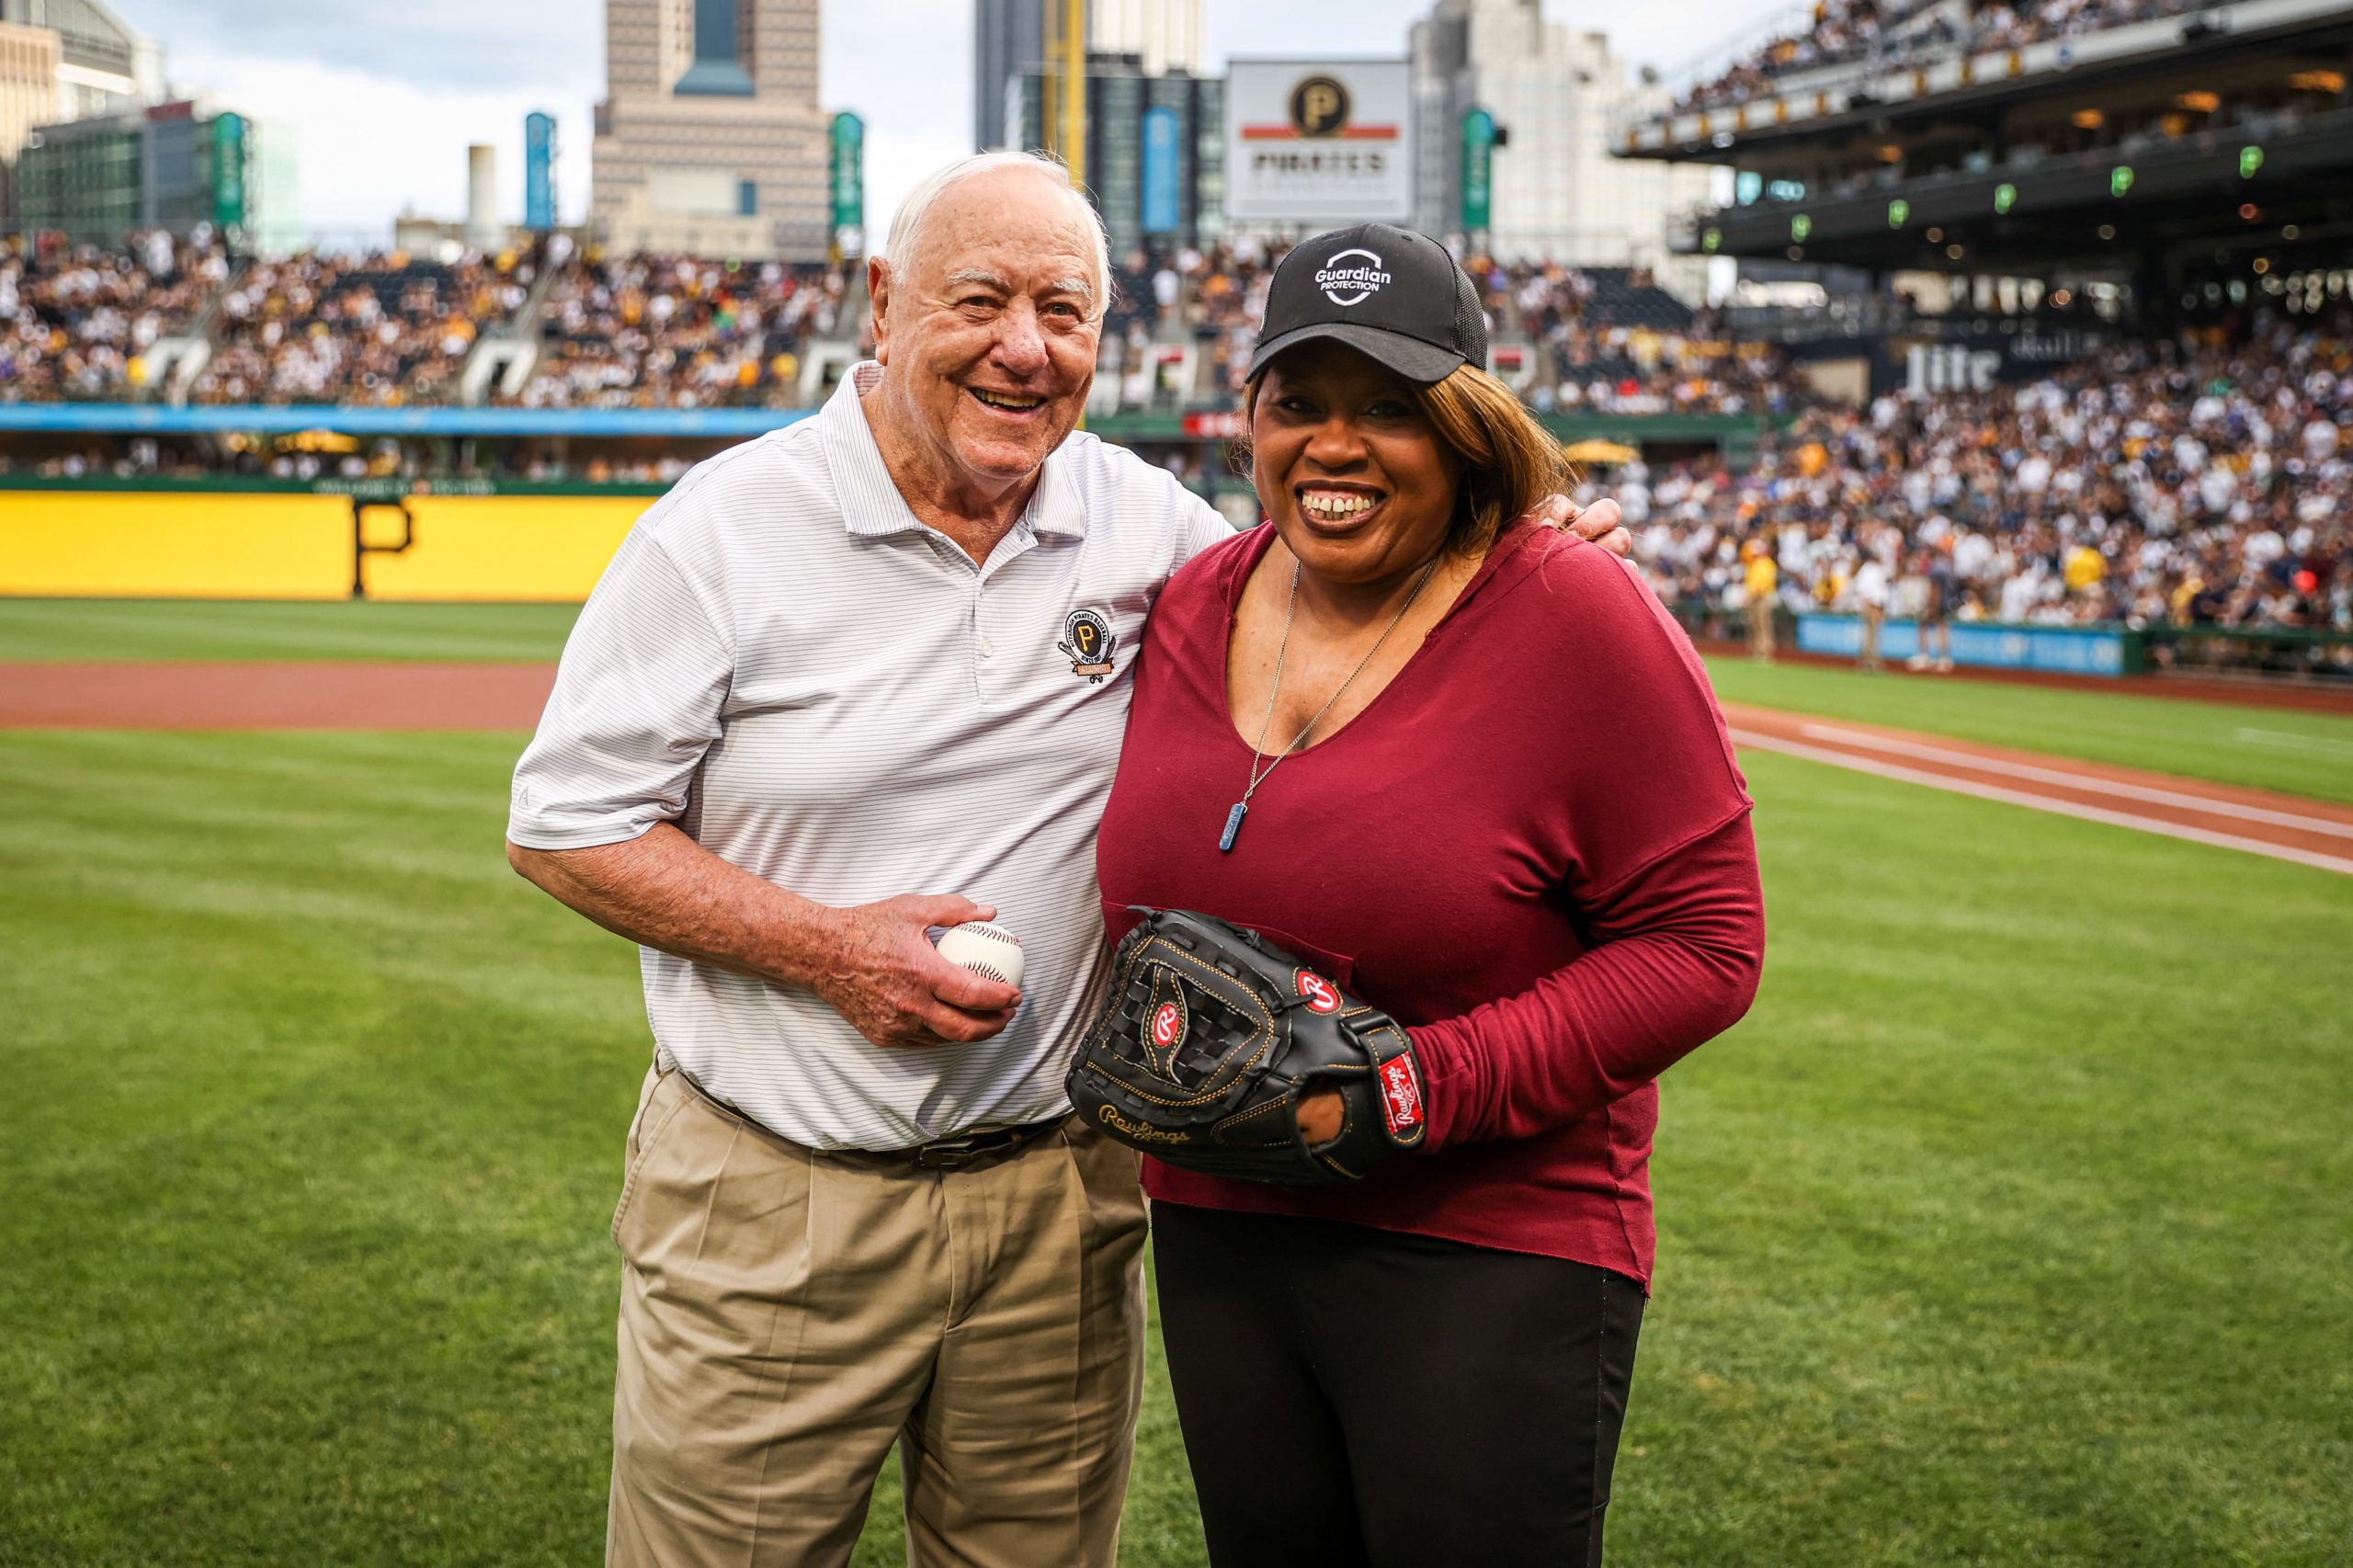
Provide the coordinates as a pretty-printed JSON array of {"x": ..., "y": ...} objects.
[{"x": 1337, "y": 510}]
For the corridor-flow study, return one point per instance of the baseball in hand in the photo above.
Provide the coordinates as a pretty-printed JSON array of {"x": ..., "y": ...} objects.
[{"x": 984, "y": 948}]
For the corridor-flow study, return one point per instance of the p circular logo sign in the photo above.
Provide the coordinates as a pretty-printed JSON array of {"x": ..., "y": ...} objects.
[
  {"x": 1319, "y": 107},
  {"x": 1167, "y": 1024},
  {"x": 1322, "y": 996},
  {"x": 1351, "y": 277}
]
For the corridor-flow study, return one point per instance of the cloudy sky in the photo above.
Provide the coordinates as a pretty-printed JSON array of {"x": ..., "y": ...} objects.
[{"x": 385, "y": 95}]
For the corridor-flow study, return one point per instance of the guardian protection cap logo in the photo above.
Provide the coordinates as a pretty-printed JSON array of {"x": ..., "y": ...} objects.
[{"x": 1351, "y": 277}]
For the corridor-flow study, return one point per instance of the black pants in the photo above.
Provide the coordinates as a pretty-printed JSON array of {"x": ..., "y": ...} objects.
[{"x": 1353, "y": 1396}]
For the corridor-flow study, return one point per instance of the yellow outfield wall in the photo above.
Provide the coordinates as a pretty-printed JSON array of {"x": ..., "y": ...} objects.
[{"x": 102, "y": 544}]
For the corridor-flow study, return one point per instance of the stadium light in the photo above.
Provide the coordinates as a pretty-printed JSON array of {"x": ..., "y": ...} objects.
[
  {"x": 2004, "y": 198},
  {"x": 2250, "y": 160},
  {"x": 2120, "y": 179},
  {"x": 1897, "y": 211}
]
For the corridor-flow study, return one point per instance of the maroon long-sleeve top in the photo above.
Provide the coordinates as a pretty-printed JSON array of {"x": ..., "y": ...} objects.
[{"x": 1532, "y": 849}]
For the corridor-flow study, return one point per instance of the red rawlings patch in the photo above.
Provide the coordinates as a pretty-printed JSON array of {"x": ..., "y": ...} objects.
[
  {"x": 1322, "y": 997},
  {"x": 1167, "y": 1026},
  {"x": 1401, "y": 1095}
]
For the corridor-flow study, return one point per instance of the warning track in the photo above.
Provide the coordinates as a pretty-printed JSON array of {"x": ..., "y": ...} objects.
[
  {"x": 269, "y": 696},
  {"x": 200, "y": 695}
]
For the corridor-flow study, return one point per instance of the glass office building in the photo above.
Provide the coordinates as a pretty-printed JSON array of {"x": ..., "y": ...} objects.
[{"x": 1155, "y": 150}]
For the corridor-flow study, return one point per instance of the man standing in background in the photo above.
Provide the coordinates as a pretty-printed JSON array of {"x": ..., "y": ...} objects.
[
  {"x": 1870, "y": 589},
  {"x": 1763, "y": 580},
  {"x": 1936, "y": 612}
]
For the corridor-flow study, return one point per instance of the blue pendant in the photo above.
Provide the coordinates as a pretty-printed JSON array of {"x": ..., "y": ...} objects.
[{"x": 1232, "y": 825}]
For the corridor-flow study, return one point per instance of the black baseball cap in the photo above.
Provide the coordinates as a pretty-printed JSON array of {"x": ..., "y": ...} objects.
[{"x": 1393, "y": 296}]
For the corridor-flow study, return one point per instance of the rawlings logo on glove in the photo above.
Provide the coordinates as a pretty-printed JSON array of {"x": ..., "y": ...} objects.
[{"x": 1208, "y": 1040}]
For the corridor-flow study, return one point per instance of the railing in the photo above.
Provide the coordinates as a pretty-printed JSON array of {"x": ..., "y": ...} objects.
[
  {"x": 2273, "y": 653},
  {"x": 1910, "y": 68},
  {"x": 2321, "y": 656}
]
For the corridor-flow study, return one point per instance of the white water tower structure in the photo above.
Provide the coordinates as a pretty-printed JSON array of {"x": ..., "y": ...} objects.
[{"x": 483, "y": 231}]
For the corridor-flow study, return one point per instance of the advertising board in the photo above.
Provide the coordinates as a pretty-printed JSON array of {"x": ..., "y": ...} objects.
[{"x": 1319, "y": 143}]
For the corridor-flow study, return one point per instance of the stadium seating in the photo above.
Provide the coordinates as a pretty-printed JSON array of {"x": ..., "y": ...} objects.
[
  {"x": 372, "y": 330},
  {"x": 2202, "y": 479},
  {"x": 74, "y": 323}
]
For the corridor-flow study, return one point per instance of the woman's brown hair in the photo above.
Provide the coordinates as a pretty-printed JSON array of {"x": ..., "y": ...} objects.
[{"x": 1508, "y": 461}]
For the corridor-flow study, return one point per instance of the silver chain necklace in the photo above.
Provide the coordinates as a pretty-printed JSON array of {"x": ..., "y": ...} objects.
[{"x": 1257, "y": 750}]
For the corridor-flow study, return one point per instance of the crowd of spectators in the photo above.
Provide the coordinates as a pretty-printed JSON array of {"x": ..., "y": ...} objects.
[
  {"x": 1605, "y": 340},
  {"x": 372, "y": 330},
  {"x": 75, "y": 322},
  {"x": 1847, "y": 31},
  {"x": 2202, "y": 479},
  {"x": 679, "y": 331},
  {"x": 2191, "y": 481},
  {"x": 1609, "y": 340},
  {"x": 640, "y": 331},
  {"x": 1840, "y": 31}
]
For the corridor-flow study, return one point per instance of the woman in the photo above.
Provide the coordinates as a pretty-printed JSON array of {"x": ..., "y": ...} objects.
[{"x": 1474, "y": 774}]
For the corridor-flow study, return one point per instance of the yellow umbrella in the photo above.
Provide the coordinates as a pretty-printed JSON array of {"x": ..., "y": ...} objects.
[{"x": 1596, "y": 450}]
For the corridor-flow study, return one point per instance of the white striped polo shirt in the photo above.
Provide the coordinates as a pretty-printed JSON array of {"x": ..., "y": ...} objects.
[{"x": 819, "y": 689}]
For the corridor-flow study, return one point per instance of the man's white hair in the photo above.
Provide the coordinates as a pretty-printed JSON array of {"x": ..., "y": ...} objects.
[{"x": 906, "y": 224}]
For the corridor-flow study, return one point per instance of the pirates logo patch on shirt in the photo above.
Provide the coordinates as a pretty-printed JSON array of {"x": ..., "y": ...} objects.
[{"x": 1089, "y": 640}]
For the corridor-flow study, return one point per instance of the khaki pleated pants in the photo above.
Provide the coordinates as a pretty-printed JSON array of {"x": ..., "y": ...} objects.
[{"x": 787, "y": 1316}]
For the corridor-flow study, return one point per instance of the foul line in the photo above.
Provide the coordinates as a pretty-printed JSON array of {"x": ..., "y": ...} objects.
[
  {"x": 2321, "y": 743},
  {"x": 2044, "y": 802},
  {"x": 2090, "y": 784}
]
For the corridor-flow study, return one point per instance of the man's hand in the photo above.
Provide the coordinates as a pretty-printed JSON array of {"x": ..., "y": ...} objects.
[
  {"x": 878, "y": 970},
  {"x": 871, "y": 963},
  {"x": 1599, "y": 523}
]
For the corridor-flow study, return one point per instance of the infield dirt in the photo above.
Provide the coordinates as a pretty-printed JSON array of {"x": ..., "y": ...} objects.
[{"x": 196, "y": 695}]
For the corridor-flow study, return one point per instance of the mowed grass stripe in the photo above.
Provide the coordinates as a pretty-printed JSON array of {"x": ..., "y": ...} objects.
[
  {"x": 201, "y": 628},
  {"x": 2008, "y": 1227},
  {"x": 2263, "y": 748},
  {"x": 2302, "y": 754}
]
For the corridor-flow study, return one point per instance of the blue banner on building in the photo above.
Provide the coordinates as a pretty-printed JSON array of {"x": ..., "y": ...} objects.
[
  {"x": 538, "y": 173},
  {"x": 1162, "y": 161},
  {"x": 1994, "y": 645}
]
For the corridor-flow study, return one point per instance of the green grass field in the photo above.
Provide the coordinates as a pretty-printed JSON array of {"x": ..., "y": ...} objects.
[
  {"x": 2009, "y": 1227},
  {"x": 2306, "y": 753},
  {"x": 201, "y": 628}
]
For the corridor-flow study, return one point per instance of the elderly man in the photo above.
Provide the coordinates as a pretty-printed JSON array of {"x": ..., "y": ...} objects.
[{"x": 824, "y": 699}]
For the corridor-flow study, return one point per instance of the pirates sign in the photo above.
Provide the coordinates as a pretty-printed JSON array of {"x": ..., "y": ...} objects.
[{"x": 1088, "y": 639}]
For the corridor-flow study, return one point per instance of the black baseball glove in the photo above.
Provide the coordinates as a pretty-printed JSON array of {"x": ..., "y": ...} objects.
[{"x": 1210, "y": 1037}]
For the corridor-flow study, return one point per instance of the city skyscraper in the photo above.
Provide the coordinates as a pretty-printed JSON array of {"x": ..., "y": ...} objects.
[
  {"x": 1556, "y": 192},
  {"x": 1009, "y": 43},
  {"x": 709, "y": 138}
]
